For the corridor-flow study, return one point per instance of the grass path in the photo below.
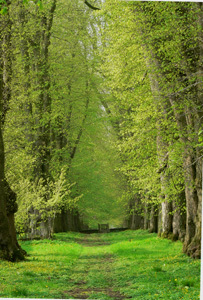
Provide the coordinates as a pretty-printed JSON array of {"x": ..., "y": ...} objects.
[
  {"x": 114, "y": 266},
  {"x": 93, "y": 275}
]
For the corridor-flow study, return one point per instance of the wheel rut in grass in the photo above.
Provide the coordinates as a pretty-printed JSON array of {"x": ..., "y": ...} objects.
[{"x": 92, "y": 277}]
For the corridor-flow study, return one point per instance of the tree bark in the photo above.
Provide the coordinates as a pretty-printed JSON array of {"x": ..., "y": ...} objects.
[
  {"x": 146, "y": 216},
  {"x": 193, "y": 238},
  {"x": 9, "y": 247},
  {"x": 67, "y": 221},
  {"x": 192, "y": 173},
  {"x": 153, "y": 226},
  {"x": 179, "y": 218}
]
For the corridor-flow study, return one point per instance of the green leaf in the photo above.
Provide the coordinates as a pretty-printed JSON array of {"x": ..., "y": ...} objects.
[{"x": 4, "y": 11}]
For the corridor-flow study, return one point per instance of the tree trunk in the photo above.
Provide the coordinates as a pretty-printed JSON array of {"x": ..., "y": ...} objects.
[
  {"x": 146, "y": 216},
  {"x": 193, "y": 177},
  {"x": 67, "y": 221},
  {"x": 153, "y": 226},
  {"x": 179, "y": 218},
  {"x": 159, "y": 220},
  {"x": 193, "y": 238},
  {"x": 9, "y": 247},
  {"x": 194, "y": 248},
  {"x": 166, "y": 218},
  {"x": 6, "y": 247}
]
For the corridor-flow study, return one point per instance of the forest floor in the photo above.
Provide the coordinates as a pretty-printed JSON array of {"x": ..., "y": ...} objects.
[{"x": 119, "y": 266}]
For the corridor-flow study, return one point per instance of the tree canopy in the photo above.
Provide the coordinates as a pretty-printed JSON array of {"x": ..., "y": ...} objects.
[{"x": 101, "y": 118}]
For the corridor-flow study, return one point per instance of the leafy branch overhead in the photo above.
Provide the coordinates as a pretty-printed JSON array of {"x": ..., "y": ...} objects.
[{"x": 91, "y": 6}]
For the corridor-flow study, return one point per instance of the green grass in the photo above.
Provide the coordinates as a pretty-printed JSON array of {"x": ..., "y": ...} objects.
[
  {"x": 122, "y": 265},
  {"x": 148, "y": 267}
]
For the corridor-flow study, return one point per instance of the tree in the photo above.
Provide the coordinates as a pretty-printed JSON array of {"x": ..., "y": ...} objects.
[
  {"x": 9, "y": 247},
  {"x": 54, "y": 94},
  {"x": 172, "y": 62}
]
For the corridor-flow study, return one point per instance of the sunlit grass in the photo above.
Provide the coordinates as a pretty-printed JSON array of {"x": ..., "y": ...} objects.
[
  {"x": 136, "y": 264},
  {"x": 148, "y": 267},
  {"x": 43, "y": 274}
]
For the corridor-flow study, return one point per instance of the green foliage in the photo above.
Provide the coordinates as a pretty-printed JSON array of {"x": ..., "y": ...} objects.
[
  {"x": 56, "y": 120},
  {"x": 4, "y": 11},
  {"x": 48, "y": 200},
  {"x": 132, "y": 105},
  {"x": 94, "y": 170},
  {"x": 3, "y": 7},
  {"x": 150, "y": 71}
]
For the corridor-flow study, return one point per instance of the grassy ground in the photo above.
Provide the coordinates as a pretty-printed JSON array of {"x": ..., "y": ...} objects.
[{"x": 124, "y": 265}]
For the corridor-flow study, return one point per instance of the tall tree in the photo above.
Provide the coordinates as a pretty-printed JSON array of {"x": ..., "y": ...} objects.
[
  {"x": 172, "y": 61},
  {"x": 9, "y": 247}
]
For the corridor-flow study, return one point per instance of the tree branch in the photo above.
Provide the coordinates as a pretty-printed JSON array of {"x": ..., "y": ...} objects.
[{"x": 90, "y": 6}]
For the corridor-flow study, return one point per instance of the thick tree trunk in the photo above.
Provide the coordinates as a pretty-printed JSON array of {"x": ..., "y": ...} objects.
[
  {"x": 192, "y": 173},
  {"x": 179, "y": 218},
  {"x": 194, "y": 248},
  {"x": 164, "y": 225},
  {"x": 132, "y": 220},
  {"x": 166, "y": 208},
  {"x": 153, "y": 226},
  {"x": 9, "y": 248},
  {"x": 6, "y": 248},
  {"x": 135, "y": 220},
  {"x": 166, "y": 205},
  {"x": 193, "y": 220},
  {"x": 39, "y": 228},
  {"x": 67, "y": 221}
]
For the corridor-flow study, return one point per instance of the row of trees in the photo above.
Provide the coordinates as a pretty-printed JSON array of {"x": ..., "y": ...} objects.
[
  {"x": 152, "y": 55},
  {"x": 55, "y": 148}
]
